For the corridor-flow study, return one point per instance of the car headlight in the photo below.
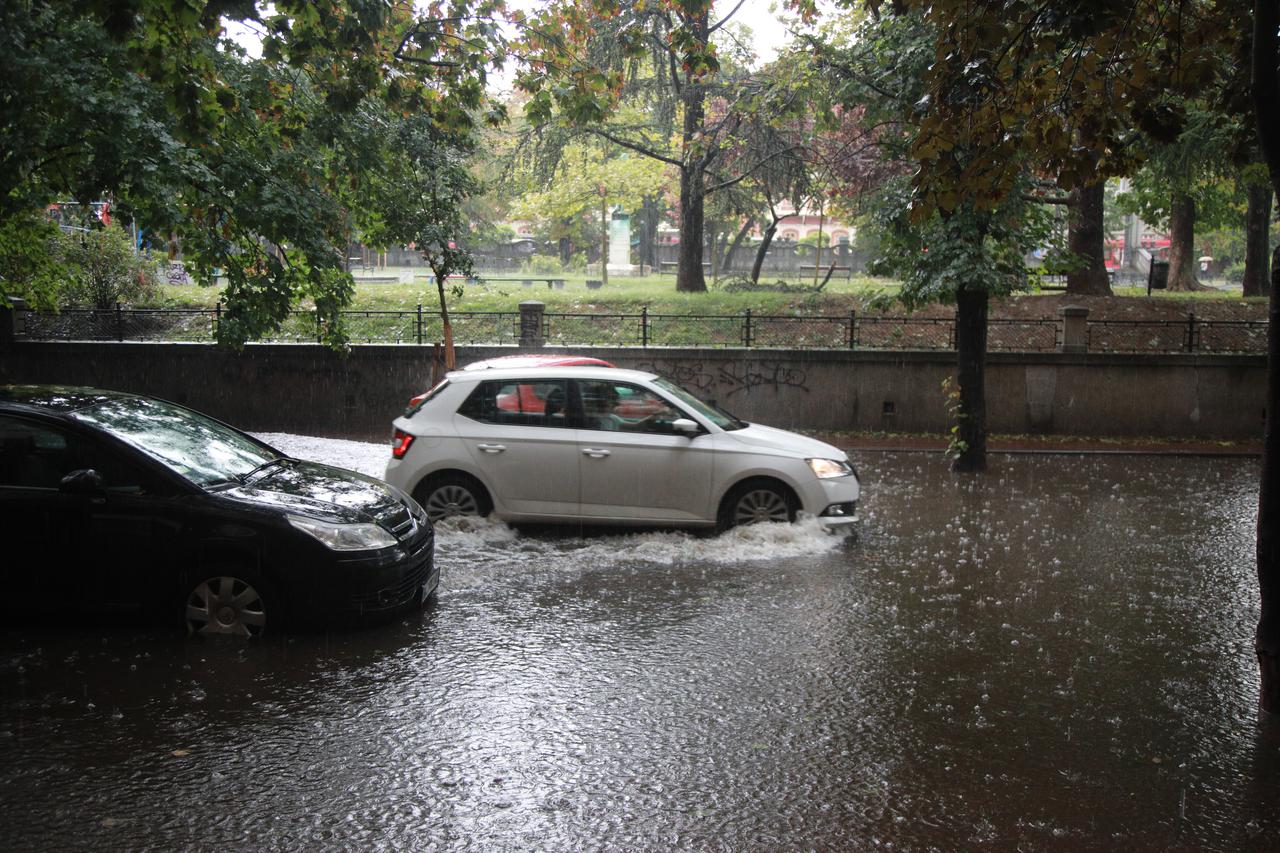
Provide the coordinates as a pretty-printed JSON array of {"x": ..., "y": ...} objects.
[
  {"x": 344, "y": 537},
  {"x": 825, "y": 469}
]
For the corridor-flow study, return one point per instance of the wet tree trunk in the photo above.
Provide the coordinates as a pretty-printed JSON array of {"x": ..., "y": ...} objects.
[
  {"x": 693, "y": 188},
  {"x": 1267, "y": 638},
  {"x": 1266, "y": 92},
  {"x": 971, "y": 358},
  {"x": 1182, "y": 238},
  {"x": 763, "y": 250},
  {"x": 649, "y": 233},
  {"x": 689, "y": 275},
  {"x": 727, "y": 261},
  {"x": 1086, "y": 239},
  {"x": 1257, "y": 252}
]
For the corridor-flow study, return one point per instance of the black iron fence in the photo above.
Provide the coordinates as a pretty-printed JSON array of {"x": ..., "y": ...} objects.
[{"x": 748, "y": 329}]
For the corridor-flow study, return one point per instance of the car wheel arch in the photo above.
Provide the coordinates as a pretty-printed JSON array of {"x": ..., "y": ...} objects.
[{"x": 745, "y": 483}]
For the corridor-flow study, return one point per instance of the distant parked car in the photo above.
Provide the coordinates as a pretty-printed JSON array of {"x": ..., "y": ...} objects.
[
  {"x": 508, "y": 362},
  {"x": 608, "y": 446},
  {"x": 526, "y": 401},
  {"x": 118, "y": 502}
]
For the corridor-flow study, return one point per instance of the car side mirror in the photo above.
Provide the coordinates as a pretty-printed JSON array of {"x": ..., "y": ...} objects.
[
  {"x": 84, "y": 481},
  {"x": 685, "y": 426}
]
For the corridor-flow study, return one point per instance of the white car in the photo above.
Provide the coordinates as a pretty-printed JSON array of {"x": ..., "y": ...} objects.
[{"x": 604, "y": 445}]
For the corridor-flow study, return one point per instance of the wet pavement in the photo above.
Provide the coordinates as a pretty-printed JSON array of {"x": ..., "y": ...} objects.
[{"x": 1056, "y": 656}]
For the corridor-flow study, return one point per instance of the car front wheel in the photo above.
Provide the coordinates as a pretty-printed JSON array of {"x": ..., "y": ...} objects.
[
  {"x": 756, "y": 502},
  {"x": 228, "y": 604}
]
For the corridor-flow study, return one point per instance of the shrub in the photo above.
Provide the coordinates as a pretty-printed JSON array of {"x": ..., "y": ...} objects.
[{"x": 103, "y": 268}]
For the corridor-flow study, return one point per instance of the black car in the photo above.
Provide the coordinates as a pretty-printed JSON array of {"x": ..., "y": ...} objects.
[{"x": 122, "y": 503}]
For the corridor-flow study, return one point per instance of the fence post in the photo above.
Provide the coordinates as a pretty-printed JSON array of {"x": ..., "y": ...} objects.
[
  {"x": 419, "y": 335},
  {"x": 853, "y": 328},
  {"x": 644, "y": 326},
  {"x": 531, "y": 317},
  {"x": 1075, "y": 329},
  {"x": 119, "y": 322},
  {"x": 1191, "y": 331},
  {"x": 217, "y": 319},
  {"x": 319, "y": 333},
  {"x": 746, "y": 329},
  {"x": 12, "y": 321}
]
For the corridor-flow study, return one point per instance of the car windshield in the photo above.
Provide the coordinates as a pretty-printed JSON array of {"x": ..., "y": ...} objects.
[
  {"x": 713, "y": 413},
  {"x": 204, "y": 451}
]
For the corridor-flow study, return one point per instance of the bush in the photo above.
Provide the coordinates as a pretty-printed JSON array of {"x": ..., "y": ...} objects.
[
  {"x": 103, "y": 268},
  {"x": 542, "y": 265}
]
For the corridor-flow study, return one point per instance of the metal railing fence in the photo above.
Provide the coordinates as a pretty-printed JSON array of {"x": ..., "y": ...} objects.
[{"x": 853, "y": 331}]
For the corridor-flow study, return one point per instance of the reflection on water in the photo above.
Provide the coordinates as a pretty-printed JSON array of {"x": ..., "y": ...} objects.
[{"x": 1056, "y": 656}]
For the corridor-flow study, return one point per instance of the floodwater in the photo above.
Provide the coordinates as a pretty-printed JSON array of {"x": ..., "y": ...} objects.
[{"x": 1055, "y": 656}]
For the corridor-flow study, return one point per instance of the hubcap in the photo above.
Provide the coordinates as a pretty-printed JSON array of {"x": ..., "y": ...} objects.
[
  {"x": 761, "y": 505},
  {"x": 225, "y": 605},
  {"x": 448, "y": 501}
]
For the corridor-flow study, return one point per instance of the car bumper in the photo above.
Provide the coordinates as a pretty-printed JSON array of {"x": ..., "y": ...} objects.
[
  {"x": 373, "y": 588},
  {"x": 833, "y": 502}
]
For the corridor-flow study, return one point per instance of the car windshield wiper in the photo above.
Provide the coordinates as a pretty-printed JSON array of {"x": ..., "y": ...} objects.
[{"x": 270, "y": 463}]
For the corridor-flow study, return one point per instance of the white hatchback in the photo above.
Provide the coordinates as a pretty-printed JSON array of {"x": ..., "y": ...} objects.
[{"x": 603, "y": 445}]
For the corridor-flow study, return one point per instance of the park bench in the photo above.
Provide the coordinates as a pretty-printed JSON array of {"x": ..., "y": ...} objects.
[
  {"x": 670, "y": 267},
  {"x": 527, "y": 280}
]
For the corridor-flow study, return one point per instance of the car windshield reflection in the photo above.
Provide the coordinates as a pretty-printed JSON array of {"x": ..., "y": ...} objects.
[{"x": 200, "y": 449}]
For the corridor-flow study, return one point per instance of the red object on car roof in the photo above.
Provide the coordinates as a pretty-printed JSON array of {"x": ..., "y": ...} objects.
[{"x": 538, "y": 361}]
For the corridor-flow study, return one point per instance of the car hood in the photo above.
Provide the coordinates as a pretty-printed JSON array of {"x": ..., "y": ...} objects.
[
  {"x": 321, "y": 491},
  {"x": 785, "y": 442}
]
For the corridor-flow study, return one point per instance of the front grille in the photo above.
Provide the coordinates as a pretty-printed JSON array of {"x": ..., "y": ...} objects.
[{"x": 394, "y": 596}]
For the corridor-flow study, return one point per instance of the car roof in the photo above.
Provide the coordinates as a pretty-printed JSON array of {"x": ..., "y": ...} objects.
[
  {"x": 577, "y": 372},
  {"x": 507, "y": 361},
  {"x": 57, "y": 399}
]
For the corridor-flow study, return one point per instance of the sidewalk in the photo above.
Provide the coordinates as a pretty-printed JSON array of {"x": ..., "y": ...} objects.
[{"x": 1057, "y": 444}]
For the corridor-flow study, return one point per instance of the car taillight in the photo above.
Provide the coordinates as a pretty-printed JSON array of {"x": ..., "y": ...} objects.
[{"x": 400, "y": 442}]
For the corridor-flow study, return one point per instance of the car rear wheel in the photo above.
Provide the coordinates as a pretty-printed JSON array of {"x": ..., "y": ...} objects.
[
  {"x": 756, "y": 502},
  {"x": 452, "y": 495},
  {"x": 229, "y": 604}
]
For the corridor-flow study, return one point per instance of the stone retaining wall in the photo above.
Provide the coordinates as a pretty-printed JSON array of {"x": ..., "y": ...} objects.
[{"x": 307, "y": 389}]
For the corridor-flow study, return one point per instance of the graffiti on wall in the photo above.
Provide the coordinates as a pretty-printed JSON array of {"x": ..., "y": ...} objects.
[{"x": 730, "y": 379}]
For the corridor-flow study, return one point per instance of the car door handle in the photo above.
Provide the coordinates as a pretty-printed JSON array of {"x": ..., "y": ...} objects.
[
  {"x": 492, "y": 448},
  {"x": 595, "y": 452}
]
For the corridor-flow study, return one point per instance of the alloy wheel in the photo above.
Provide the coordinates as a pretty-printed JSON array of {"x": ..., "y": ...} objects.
[{"x": 225, "y": 605}]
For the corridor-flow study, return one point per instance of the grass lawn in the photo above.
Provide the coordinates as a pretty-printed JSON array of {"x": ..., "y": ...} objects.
[{"x": 622, "y": 295}]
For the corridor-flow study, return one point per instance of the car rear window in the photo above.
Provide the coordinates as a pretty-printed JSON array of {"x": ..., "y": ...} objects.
[{"x": 515, "y": 402}]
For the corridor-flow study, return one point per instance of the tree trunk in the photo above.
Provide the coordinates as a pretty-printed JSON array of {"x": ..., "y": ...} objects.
[
  {"x": 693, "y": 188},
  {"x": 1257, "y": 252},
  {"x": 1086, "y": 239},
  {"x": 449, "y": 358},
  {"x": 1267, "y": 637},
  {"x": 763, "y": 249},
  {"x": 971, "y": 357},
  {"x": 604, "y": 241},
  {"x": 1266, "y": 90},
  {"x": 727, "y": 262},
  {"x": 652, "y": 219},
  {"x": 1182, "y": 250},
  {"x": 689, "y": 276}
]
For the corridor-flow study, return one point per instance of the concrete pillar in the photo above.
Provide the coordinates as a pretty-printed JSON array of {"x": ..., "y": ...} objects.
[
  {"x": 531, "y": 315},
  {"x": 13, "y": 321},
  {"x": 1075, "y": 329}
]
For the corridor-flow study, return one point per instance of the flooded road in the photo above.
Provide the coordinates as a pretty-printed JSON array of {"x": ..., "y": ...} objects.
[{"x": 1056, "y": 656}]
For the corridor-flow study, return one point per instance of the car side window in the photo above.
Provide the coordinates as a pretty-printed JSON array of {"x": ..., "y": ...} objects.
[
  {"x": 623, "y": 407},
  {"x": 533, "y": 403},
  {"x": 38, "y": 456}
]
